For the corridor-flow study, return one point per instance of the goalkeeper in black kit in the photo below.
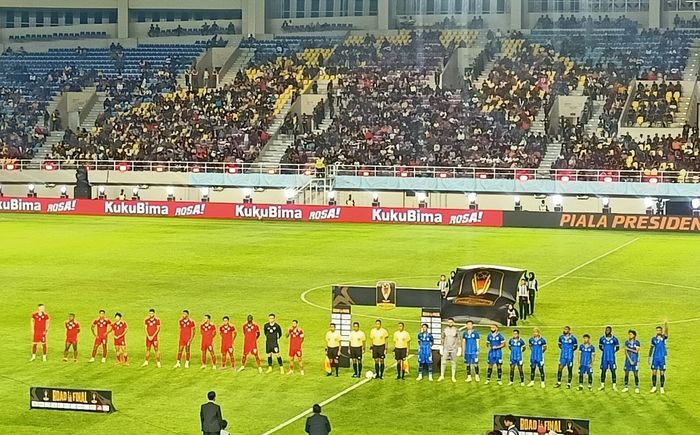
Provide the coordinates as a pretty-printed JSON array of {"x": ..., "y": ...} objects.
[{"x": 273, "y": 333}]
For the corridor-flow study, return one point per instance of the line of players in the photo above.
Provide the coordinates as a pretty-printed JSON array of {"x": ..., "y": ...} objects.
[
  {"x": 102, "y": 328},
  {"x": 452, "y": 348}
]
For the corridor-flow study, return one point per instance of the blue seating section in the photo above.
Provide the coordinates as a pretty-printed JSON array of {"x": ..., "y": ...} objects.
[{"x": 663, "y": 52}]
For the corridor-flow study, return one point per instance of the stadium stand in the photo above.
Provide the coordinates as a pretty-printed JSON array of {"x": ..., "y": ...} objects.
[{"x": 225, "y": 124}]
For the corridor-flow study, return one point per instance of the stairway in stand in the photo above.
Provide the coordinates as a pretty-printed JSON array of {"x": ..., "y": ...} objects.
[{"x": 551, "y": 156}]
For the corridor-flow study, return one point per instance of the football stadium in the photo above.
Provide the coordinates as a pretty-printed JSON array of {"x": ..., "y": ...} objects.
[{"x": 350, "y": 217}]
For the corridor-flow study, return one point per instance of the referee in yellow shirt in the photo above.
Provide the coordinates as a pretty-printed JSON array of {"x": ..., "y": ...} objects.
[
  {"x": 333, "y": 348},
  {"x": 357, "y": 348},
  {"x": 401, "y": 340},
  {"x": 378, "y": 336}
]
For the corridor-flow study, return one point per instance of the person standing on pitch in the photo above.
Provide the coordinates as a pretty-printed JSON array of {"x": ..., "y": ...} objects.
[
  {"x": 523, "y": 299},
  {"x": 273, "y": 333},
  {"x": 228, "y": 333},
  {"x": 100, "y": 329},
  {"x": 186, "y": 326},
  {"x": 119, "y": 328},
  {"x": 657, "y": 354},
  {"x": 450, "y": 349},
  {"x": 496, "y": 342},
  {"x": 632, "y": 346},
  {"x": 210, "y": 416},
  {"x": 72, "y": 331},
  {"x": 470, "y": 344},
  {"x": 357, "y": 348},
  {"x": 586, "y": 360},
  {"x": 377, "y": 337},
  {"x": 207, "y": 332},
  {"x": 517, "y": 347},
  {"x": 538, "y": 346},
  {"x": 568, "y": 345},
  {"x": 251, "y": 333},
  {"x": 443, "y": 285},
  {"x": 425, "y": 352},
  {"x": 532, "y": 289},
  {"x": 333, "y": 339},
  {"x": 296, "y": 340},
  {"x": 151, "y": 325},
  {"x": 608, "y": 345},
  {"x": 317, "y": 424},
  {"x": 40, "y": 327},
  {"x": 401, "y": 340}
]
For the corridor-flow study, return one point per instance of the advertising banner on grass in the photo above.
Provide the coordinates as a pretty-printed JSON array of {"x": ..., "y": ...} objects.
[
  {"x": 528, "y": 425},
  {"x": 71, "y": 399}
]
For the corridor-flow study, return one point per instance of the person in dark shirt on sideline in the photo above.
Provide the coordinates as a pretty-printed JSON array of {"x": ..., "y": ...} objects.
[{"x": 318, "y": 424}]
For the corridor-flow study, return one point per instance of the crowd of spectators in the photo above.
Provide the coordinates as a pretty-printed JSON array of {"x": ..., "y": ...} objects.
[
  {"x": 288, "y": 27},
  {"x": 654, "y": 104},
  {"x": 682, "y": 23},
  {"x": 228, "y": 124},
  {"x": 395, "y": 117},
  {"x": 544, "y": 22},
  {"x": 23, "y": 125},
  {"x": 205, "y": 30},
  {"x": 476, "y": 23},
  {"x": 421, "y": 49},
  {"x": 648, "y": 153}
]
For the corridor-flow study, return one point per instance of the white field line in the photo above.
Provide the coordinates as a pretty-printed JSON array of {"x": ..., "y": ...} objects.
[
  {"x": 324, "y": 403},
  {"x": 592, "y": 260}
]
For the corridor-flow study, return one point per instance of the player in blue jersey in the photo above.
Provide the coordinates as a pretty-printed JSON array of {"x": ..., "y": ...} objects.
[
  {"x": 657, "y": 356},
  {"x": 470, "y": 344},
  {"x": 586, "y": 362},
  {"x": 425, "y": 352},
  {"x": 517, "y": 347},
  {"x": 568, "y": 345},
  {"x": 632, "y": 346},
  {"x": 538, "y": 346},
  {"x": 608, "y": 345},
  {"x": 495, "y": 342}
]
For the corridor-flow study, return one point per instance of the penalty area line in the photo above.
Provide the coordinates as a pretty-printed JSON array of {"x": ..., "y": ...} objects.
[{"x": 324, "y": 403}]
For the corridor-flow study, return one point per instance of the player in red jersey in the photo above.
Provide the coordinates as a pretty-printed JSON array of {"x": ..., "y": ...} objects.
[
  {"x": 296, "y": 340},
  {"x": 100, "y": 329},
  {"x": 187, "y": 326},
  {"x": 119, "y": 328},
  {"x": 152, "y": 326},
  {"x": 208, "y": 332},
  {"x": 228, "y": 335},
  {"x": 72, "y": 331},
  {"x": 251, "y": 332},
  {"x": 40, "y": 326}
]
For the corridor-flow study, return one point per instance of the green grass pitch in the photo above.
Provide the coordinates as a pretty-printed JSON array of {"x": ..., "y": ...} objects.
[{"x": 82, "y": 264}]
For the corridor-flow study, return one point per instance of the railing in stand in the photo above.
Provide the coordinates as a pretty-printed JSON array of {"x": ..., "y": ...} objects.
[{"x": 443, "y": 172}]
